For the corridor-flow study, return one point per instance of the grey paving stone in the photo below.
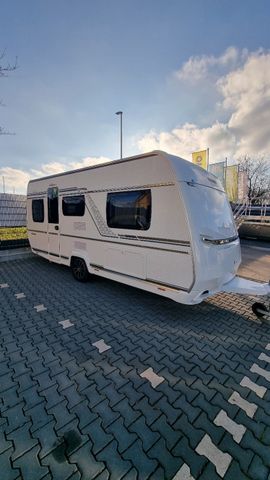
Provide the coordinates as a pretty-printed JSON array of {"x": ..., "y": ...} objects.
[
  {"x": 126, "y": 411},
  {"x": 107, "y": 414},
  {"x": 143, "y": 464},
  {"x": 209, "y": 472},
  {"x": 234, "y": 472},
  {"x": 30, "y": 466},
  {"x": 114, "y": 396},
  {"x": 9, "y": 398},
  {"x": 257, "y": 470},
  {"x": 22, "y": 440},
  {"x": 170, "y": 435},
  {"x": 84, "y": 413},
  {"x": 192, "y": 431},
  {"x": 146, "y": 434},
  {"x": 169, "y": 463},
  {"x": 152, "y": 394},
  {"x": 8, "y": 471},
  {"x": 39, "y": 416},
  {"x": 210, "y": 410},
  {"x": 51, "y": 396},
  {"x": 45, "y": 381},
  {"x": 47, "y": 438},
  {"x": 7, "y": 382},
  {"x": 196, "y": 462},
  {"x": 4, "y": 443},
  {"x": 37, "y": 367},
  {"x": 244, "y": 456},
  {"x": 81, "y": 380},
  {"x": 31, "y": 398},
  {"x": 94, "y": 397},
  {"x": 105, "y": 475},
  {"x": 98, "y": 435},
  {"x": 117, "y": 379},
  {"x": 121, "y": 434},
  {"x": 150, "y": 413},
  {"x": 60, "y": 467},
  {"x": 168, "y": 409},
  {"x": 116, "y": 465},
  {"x": 131, "y": 475},
  {"x": 72, "y": 396},
  {"x": 15, "y": 417},
  {"x": 77, "y": 476},
  {"x": 249, "y": 442}
]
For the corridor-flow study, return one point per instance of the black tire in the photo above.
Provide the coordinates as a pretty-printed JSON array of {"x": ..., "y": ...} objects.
[
  {"x": 258, "y": 306},
  {"x": 79, "y": 269}
]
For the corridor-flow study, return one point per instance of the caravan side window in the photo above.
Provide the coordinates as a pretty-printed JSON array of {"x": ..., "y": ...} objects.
[
  {"x": 38, "y": 210},
  {"x": 131, "y": 210},
  {"x": 73, "y": 206}
]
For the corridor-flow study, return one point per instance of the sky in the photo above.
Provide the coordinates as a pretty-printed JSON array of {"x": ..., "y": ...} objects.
[{"x": 187, "y": 74}]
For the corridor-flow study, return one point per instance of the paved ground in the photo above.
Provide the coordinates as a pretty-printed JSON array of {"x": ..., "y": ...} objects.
[
  {"x": 255, "y": 260},
  {"x": 102, "y": 381}
]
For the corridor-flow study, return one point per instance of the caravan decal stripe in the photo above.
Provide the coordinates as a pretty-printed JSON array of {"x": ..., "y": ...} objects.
[
  {"x": 36, "y": 194},
  {"x": 184, "y": 243},
  {"x": 145, "y": 280},
  {"x": 136, "y": 187},
  {"x": 180, "y": 243},
  {"x": 124, "y": 243},
  {"x": 49, "y": 253}
]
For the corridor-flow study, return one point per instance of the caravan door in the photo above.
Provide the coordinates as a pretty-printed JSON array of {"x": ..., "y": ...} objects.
[{"x": 53, "y": 223}]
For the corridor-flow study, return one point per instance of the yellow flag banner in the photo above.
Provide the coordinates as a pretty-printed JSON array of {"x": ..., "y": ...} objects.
[
  {"x": 201, "y": 158},
  {"x": 232, "y": 182}
]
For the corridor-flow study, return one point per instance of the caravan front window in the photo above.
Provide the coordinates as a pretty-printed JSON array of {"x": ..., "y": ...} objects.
[{"x": 130, "y": 210}]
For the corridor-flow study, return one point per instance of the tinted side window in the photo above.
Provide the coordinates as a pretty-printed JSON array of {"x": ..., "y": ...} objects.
[
  {"x": 53, "y": 216},
  {"x": 38, "y": 210},
  {"x": 73, "y": 206},
  {"x": 131, "y": 210}
]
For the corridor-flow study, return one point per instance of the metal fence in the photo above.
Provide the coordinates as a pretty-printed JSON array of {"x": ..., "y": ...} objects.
[{"x": 12, "y": 210}]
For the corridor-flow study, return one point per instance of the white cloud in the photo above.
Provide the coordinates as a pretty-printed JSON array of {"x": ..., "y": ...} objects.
[
  {"x": 18, "y": 179},
  {"x": 182, "y": 141},
  {"x": 15, "y": 179},
  {"x": 88, "y": 161},
  {"x": 199, "y": 67},
  {"x": 244, "y": 93}
]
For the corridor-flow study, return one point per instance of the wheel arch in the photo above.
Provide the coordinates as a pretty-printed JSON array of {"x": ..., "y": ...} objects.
[{"x": 82, "y": 255}]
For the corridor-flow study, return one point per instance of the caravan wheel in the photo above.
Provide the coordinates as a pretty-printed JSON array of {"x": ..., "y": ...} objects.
[
  {"x": 79, "y": 269},
  {"x": 259, "y": 309}
]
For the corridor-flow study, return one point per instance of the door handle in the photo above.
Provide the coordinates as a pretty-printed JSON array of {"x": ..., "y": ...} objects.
[{"x": 56, "y": 227}]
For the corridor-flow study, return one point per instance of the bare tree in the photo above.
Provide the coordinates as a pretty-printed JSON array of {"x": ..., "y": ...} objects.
[
  {"x": 258, "y": 173},
  {"x": 5, "y": 69}
]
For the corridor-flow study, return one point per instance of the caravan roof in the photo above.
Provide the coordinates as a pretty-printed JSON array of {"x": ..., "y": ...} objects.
[{"x": 182, "y": 169}]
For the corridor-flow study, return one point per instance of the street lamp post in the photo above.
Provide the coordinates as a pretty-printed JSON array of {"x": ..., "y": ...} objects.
[{"x": 121, "y": 133}]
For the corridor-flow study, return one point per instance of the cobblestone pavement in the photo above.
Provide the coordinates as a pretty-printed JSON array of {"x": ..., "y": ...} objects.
[{"x": 103, "y": 381}]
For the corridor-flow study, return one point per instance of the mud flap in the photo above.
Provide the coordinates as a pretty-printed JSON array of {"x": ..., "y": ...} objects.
[{"x": 246, "y": 287}]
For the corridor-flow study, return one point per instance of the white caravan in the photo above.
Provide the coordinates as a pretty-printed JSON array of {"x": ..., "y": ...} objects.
[{"x": 154, "y": 221}]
